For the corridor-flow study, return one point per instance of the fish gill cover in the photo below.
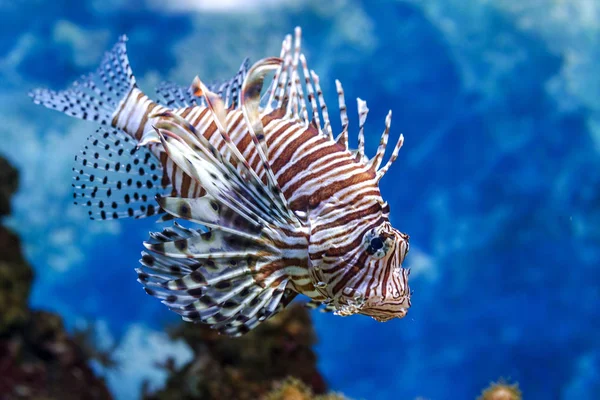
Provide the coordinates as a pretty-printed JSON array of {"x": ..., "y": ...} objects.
[{"x": 498, "y": 185}]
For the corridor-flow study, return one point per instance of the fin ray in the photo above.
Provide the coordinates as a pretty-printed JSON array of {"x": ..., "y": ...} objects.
[{"x": 220, "y": 291}]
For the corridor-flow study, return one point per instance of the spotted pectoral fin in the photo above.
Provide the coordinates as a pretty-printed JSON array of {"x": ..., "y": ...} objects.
[
  {"x": 226, "y": 289},
  {"x": 114, "y": 178}
]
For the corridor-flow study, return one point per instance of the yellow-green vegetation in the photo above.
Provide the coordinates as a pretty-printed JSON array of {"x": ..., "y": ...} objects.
[
  {"x": 295, "y": 389},
  {"x": 501, "y": 390}
]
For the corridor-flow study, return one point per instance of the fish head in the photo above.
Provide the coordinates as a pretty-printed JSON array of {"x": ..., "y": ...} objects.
[
  {"x": 383, "y": 292},
  {"x": 368, "y": 278}
]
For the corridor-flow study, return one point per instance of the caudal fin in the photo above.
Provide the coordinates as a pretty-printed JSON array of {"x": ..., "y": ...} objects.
[{"x": 95, "y": 96}]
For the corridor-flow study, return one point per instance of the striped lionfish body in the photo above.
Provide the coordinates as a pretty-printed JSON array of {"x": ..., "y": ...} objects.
[{"x": 282, "y": 207}]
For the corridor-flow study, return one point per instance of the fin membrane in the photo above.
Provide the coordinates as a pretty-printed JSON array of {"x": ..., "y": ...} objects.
[
  {"x": 215, "y": 282},
  {"x": 115, "y": 179},
  {"x": 233, "y": 275},
  {"x": 176, "y": 96},
  {"x": 95, "y": 96}
]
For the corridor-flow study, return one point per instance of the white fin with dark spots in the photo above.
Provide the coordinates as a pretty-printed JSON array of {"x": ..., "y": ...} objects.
[
  {"x": 176, "y": 96},
  {"x": 230, "y": 91},
  {"x": 115, "y": 179},
  {"x": 95, "y": 96}
]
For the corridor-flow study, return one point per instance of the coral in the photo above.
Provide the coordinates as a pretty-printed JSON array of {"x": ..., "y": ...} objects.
[
  {"x": 294, "y": 389},
  {"x": 38, "y": 358},
  {"x": 15, "y": 274},
  {"x": 501, "y": 390},
  {"x": 247, "y": 367}
]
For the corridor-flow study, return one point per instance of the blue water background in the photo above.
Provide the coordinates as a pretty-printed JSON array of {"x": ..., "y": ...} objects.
[{"x": 498, "y": 182}]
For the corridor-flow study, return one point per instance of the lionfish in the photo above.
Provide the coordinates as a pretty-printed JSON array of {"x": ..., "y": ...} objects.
[{"x": 281, "y": 207}]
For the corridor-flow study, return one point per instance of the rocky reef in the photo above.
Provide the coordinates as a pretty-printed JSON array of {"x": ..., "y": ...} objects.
[
  {"x": 274, "y": 361},
  {"x": 38, "y": 358}
]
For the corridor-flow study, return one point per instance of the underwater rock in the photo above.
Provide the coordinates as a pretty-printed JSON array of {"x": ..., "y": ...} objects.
[
  {"x": 9, "y": 181},
  {"x": 15, "y": 274},
  {"x": 15, "y": 281},
  {"x": 250, "y": 366},
  {"x": 38, "y": 358}
]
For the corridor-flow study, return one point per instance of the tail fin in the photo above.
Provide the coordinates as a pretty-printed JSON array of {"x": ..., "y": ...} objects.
[{"x": 95, "y": 96}]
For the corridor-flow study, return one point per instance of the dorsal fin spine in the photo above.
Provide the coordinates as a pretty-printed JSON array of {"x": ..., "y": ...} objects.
[
  {"x": 322, "y": 105},
  {"x": 250, "y": 108},
  {"x": 375, "y": 162},
  {"x": 363, "y": 110}
]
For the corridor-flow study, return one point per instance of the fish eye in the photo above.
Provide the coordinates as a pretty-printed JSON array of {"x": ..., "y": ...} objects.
[
  {"x": 376, "y": 243},
  {"x": 377, "y": 246}
]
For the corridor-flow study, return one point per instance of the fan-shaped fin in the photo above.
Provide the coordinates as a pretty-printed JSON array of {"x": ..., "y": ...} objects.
[{"x": 223, "y": 291}]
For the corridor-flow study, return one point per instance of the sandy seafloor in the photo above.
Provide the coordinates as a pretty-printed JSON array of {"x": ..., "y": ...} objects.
[{"x": 498, "y": 183}]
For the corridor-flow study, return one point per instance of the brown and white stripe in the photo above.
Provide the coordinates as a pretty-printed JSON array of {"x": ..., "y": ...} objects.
[
  {"x": 345, "y": 253},
  {"x": 336, "y": 186}
]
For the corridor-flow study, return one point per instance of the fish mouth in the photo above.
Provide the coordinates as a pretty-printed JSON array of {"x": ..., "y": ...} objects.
[
  {"x": 388, "y": 308},
  {"x": 384, "y": 314},
  {"x": 386, "y": 318}
]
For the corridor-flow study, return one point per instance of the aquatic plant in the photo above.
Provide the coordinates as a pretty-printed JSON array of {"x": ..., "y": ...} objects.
[
  {"x": 294, "y": 389},
  {"x": 501, "y": 390}
]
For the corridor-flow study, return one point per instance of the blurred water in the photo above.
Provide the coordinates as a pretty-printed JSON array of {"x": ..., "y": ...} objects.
[{"x": 498, "y": 183}]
